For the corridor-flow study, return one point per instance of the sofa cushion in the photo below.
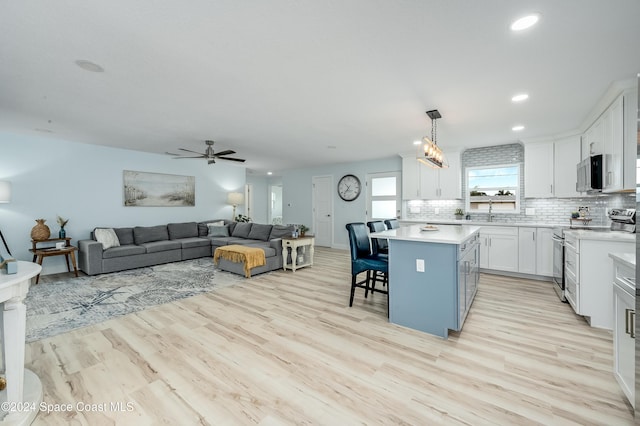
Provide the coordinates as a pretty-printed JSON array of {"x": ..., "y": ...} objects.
[
  {"x": 125, "y": 235},
  {"x": 280, "y": 231},
  {"x": 260, "y": 232},
  {"x": 123, "y": 250},
  {"x": 241, "y": 230},
  {"x": 218, "y": 231},
  {"x": 182, "y": 230},
  {"x": 107, "y": 237},
  {"x": 194, "y": 242},
  {"x": 156, "y": 246},
  {"x": 268, "y": 250},
  {"x": 223, "y": 241},
  {"x": 146, "y": 234}
]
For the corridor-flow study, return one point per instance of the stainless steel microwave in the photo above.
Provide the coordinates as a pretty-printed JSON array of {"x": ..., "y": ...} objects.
[{"x": 590, "y": 174}]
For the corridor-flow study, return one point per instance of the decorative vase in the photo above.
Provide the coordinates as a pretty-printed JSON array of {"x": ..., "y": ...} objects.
[
  {"x": 40, "y": 231},
  {"x": 62, "y": 233}
]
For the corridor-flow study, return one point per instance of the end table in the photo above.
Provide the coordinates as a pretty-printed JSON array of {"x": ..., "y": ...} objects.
[
  {"x": 39, "y": 253},
  {"x": 299, "y": 258}
]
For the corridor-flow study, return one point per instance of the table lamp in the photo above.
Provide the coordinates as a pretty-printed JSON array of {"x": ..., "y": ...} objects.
[
  {"x": 5, "y": 197},
  {"x": 235, "y": 199}
]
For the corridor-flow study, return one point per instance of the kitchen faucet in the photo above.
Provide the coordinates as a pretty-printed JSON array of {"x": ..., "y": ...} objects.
[{"x": 490, "y": 210}]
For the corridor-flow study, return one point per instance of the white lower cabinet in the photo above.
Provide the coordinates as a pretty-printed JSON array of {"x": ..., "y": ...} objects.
[
  {"x": 588, "y": 271},
  {"x": 535, "y": 251},
  {"x": 623, "y": 328},
  {"x": 499, "y": 248}
]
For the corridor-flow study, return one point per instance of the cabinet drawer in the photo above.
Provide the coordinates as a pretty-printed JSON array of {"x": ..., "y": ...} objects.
[
  {"x": 572, "y": 293},
  {"x": 499, "y": 230},
  {"x": 572, "y": 264}
]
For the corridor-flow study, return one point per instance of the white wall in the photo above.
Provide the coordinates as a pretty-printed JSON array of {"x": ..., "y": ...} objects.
[
  {"x": 83, "y": 183},
  {"x": 297, "y": 194}
]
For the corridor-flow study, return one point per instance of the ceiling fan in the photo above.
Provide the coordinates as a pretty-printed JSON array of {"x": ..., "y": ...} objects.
[{"x": 209, "y": 154}]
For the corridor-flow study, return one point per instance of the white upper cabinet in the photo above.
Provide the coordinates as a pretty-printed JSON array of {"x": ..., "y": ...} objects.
[
  {"x": 612, "y": 125},
  {"x": 422, "y": 182},
  {"x": 538, "y": 170},
  {"x": 566, "y": 156},
  {"x": 450, "y": 178},
  {"x": 410, "y": 177},
  {"x": 550, "y": 168},
  {"x": 614, "y": 135}
]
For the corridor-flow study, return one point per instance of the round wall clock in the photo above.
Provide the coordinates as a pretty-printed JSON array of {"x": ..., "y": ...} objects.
[{"x": 349, "y": 187}]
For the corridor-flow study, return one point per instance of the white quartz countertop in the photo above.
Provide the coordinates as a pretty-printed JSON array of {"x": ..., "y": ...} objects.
[
  {"x": 585, "y": 234},
  {"x": 628, "y": 259},
  {"x": 445, "y": 234},
  {"x": 483, "y": 223}
]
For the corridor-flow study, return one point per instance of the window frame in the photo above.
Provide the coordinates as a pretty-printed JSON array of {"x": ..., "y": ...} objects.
[{"x": 516, "y": 189}]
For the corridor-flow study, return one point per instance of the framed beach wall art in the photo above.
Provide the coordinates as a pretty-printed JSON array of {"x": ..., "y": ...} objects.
[{"x": 142, "y": 189}]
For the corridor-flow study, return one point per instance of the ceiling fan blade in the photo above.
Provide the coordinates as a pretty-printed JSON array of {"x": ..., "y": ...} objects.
[
  {"x": 240, "y": 160},
  {"x": 170, "y": 153},
  {"x": 177, "y": 158},
  {"x": 188, "y": 150},
  {"x": 227, "y": 152}
]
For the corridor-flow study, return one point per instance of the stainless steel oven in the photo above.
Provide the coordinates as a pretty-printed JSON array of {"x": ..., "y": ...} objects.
[{"x": 558, "y": 262}]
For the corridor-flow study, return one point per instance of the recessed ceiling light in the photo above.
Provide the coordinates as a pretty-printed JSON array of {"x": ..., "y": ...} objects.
[
  {"x": 525, "y": 22},
  {"x": 89, "y": 66},
  {"x": 517, "y": 128},
  {"x": 520, "y": 97},
  {"x": 269, "y": 173},
  {"x": 417, "y": 142}
]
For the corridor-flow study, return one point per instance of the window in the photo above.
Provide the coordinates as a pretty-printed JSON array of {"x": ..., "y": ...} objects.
[
  {"x": 493, "y": 188},
  {"x": 383, "y": 195}
]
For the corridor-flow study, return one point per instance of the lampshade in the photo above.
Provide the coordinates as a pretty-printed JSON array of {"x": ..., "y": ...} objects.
[
  {"x": 235, "y": 198},
  {"x": 5, "y": 191}
]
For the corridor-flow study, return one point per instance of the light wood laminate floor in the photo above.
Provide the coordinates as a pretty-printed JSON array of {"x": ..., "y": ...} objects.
[{"x": 285, "y": 348}]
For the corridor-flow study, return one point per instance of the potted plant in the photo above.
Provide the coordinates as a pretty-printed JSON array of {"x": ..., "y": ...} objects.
[
  {"x": 303, "y": 230},
  {"x": 459, "y": 213}
]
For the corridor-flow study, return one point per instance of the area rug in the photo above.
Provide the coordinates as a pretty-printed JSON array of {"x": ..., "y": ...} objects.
[{"x": 61, "y": 306}]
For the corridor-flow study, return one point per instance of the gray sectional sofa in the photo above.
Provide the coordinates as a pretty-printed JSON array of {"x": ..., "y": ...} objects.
[{"x": 141, "y": 246}]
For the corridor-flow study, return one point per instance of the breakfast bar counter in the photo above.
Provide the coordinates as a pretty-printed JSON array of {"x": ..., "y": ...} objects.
[{"x": 433, "y": 275}]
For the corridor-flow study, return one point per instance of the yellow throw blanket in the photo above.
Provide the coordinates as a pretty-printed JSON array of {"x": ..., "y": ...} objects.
[{"x": 251, "y": 256}]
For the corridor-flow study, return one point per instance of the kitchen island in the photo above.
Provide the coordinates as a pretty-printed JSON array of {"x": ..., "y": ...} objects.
[{"x": 433, "y": 275}]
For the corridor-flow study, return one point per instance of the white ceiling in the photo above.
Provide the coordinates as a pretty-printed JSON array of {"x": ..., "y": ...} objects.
[{"x": 290, "y": 84}]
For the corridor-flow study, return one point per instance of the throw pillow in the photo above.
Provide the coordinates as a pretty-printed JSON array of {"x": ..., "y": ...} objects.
[
  {"x": 218, "y": 231},
  {"x": 106, "y": 236},
  {"x": 280, "y": 231}
]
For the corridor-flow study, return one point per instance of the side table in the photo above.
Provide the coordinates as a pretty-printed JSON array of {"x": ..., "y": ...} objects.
[
  {"x": 301, "y": 252},
  {"x": 39, "y": 253},
  {"x": 23, "y": 394}
]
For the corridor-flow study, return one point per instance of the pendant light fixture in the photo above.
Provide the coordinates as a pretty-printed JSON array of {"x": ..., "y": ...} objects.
[{"x": 431, "y": 154}]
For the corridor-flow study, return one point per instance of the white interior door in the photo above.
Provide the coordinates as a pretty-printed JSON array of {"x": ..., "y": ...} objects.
[{"x": 322, "y": 204}]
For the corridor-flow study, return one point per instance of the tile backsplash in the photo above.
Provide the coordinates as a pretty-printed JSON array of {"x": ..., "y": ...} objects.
[{"x": 551, "y": 210}]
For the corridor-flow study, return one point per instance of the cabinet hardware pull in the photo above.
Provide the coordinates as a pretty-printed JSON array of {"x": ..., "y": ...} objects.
[
  {"x": 632, "y": 325},
  {"x": 627, "y": 322}
]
